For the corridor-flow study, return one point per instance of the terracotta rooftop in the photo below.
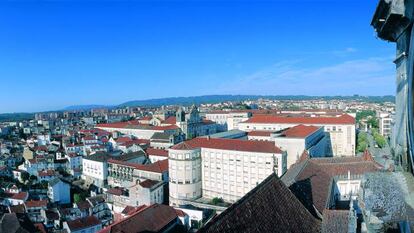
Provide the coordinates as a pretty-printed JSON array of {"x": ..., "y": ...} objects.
[
  {"x": 229, "y": 144},
  {"x": 259, "y": 133},
  {"x": 155, "y": 218},
  {"x": 47, "y": 173},
  {"x": 310, "y": 180},
  {"x": 118, "y": 124},
  {"x": 278, "y": 119},
  {"x": 335, "y": 221},
  {"x": 170, "y": 120},
  {"x": 16, "y": 223},
  {"x": 148, "y": 183},
  {"x": 157, "y": 152},
  {"x": 34, "y": 203},
  {"x": 82, "y": 223},
  {"x": 300, "y": 131},
  {"x": 269, "y": 207},
  {"x": 158, "y": 167},
  {"x": 16, "y": 196},
  {"x": 83, "y": 205}
]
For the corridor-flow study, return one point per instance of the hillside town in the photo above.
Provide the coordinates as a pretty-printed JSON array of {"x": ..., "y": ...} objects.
[
  {"x": 190, "y": 168},
  {"x": 330, "y": 162}
]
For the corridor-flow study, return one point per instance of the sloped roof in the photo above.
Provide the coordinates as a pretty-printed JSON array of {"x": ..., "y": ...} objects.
[
  {"x": 229, "y": 144},
  {"x": 82, "y": 223},
  {"x": 259, "y": 133},
  {"x": 269, "y": 207},
  {"x": 300, "y": 131},
  {"x": 158, "y": 167},
  {"x": 16, "y": 223},
  {"x": 310, "y": 180},
  {"x": 150, "y": 219},
  {"x": 158, "y": 152},
  {"x": 335, "y": 221}
]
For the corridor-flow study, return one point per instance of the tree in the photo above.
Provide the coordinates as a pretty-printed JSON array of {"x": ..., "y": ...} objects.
[
  {"x": 217, "y": 200},
  {"x": 362, "y": 142},
  {"x": 373, "y": 121},
  {"x": 77, "y": 198},
  {"x": 33, "y": 178},
  {"x": 25, "y": 176}
]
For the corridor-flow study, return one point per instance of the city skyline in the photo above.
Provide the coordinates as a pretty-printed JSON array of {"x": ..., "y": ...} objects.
[{"x": 87, "y": 53}]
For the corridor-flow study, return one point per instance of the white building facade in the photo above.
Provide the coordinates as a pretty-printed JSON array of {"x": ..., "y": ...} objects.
[
  {"x": 341, "y": 129},
  {"x": 222, "y": 168}
]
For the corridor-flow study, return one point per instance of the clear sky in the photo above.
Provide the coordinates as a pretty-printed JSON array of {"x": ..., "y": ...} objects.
[{"x": 59, "y": 53}]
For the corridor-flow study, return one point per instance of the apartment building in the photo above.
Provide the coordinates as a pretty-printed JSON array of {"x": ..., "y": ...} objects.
[
  {"x": 385, "y": 123},
  {"x": 340, "y": 129},
  {"x": 217, "y": 167}
]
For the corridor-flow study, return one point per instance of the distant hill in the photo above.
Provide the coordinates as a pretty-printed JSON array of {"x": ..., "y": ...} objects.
[
  {"x": 84, "y": 107},
  {"x": 199, "y": 100},
  {"x": 221, "y": 98},
  {"x": 16, "y": 116}
]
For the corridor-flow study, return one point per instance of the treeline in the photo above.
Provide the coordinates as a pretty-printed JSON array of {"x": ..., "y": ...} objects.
[
  {"x": 16, "y": 116},
  {"x": 362, "y": 142},
  {"x": 379, "y": 139}
]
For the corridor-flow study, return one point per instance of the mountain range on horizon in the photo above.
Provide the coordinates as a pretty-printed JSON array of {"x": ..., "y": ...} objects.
[
  {"x": 198, "y": 100},
  {"x": 204, "y": 99}
]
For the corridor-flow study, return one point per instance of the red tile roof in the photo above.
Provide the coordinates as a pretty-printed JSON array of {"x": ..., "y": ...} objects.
[
  {"x": 335, "y": 221},
  {"x": 278, "y": 119},
  {"x": 40, "y": 227},
  {"x": 300, "y": 131},
  {"x": 170, "y": 120},
  {"x": 17, "y": 196},
  {"x": 312, "y": 183},
  {"x": 115, "y": 191},
  {"x": 118, "y": 124},
  {"x": 83, "y": 205},
  {"x": 158, "y": 167},
  {"x": 148, "y": 183},
  {"x": 132, "y": 209},
  {"x": 47, "y": 173},
  {"x": 259, "y": 133},
  {"x": 180, "y": 213},
  {"x": 150, "y": 219},
  {"x": 157, "y": 152},
  {"x": 123, "y": 139},
  {"x": 34, "y": 203},
  {"x": 135, "y": 142},
  {"x": 82, "y": 223},
  {"x": 229, "y": 144},
  {"x": 269, "y": 207},
  {"x": 166, "y": 127}
]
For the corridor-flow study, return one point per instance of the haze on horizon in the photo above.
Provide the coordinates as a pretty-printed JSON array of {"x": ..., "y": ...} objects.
[{"x": 54, "y": 54}]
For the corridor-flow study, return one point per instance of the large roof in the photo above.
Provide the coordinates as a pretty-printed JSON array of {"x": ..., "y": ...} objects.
[
  {"x": 229, "y": 144},
  {"x": 269, "y": 207},
  {"x": 157, "y": 167},
  {"x": 154, "y": 218},
  {"x": 335, "y": 221},
  {"x": 300, "y": 131},
  {"x": 82, "y": 223},
  {"x": 310, "y": 180},
  {"x": 16, "y": 223},
  {"x": 279, "y": 119}
]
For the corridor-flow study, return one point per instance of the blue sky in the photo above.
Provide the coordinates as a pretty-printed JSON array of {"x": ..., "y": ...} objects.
[{"x": 59, "y": 53}]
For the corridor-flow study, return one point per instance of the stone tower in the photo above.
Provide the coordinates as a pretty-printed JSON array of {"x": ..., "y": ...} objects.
[{"x": 393, "y": 21}]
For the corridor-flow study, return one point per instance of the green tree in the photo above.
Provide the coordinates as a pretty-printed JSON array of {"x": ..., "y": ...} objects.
[
  {"x": 217, "y": 200},
  {"x": 33, "y": 178},
  {"x": 25, "y": 176},
  {"x": 78, "y": 197},
  {"x": 362, "y": 142}
]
